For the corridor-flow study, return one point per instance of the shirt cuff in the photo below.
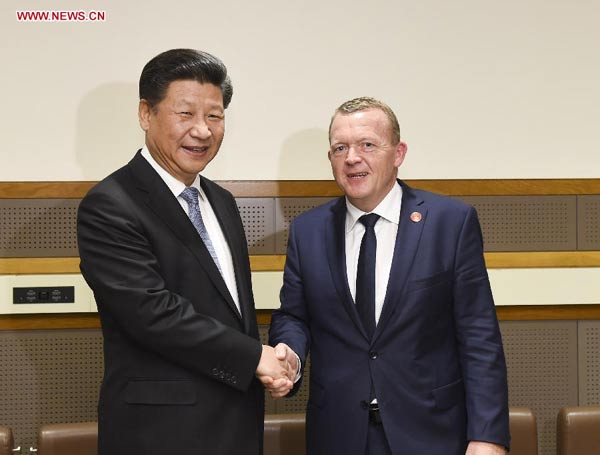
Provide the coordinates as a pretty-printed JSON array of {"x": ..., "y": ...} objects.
[{"x": 299, "y": 374}]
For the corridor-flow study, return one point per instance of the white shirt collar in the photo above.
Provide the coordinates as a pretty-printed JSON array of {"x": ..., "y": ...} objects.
[
  {"x": 174, "y": 185},
  {"x": 388, "y": 208}
]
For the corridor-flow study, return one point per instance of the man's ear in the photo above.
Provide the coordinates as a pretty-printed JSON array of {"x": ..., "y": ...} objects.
[
  {"x": 144, "y": 114},
  {"x": 401, "y": 150}
]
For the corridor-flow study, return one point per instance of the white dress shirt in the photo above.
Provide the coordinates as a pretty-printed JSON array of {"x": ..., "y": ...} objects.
[
  {"x": 210, "y": 221},
  {"x": 386, "y": 229}
]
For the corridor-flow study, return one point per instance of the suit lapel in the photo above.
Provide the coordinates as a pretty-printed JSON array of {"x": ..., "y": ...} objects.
[
  {"x": 166, "y": 207},
  {"x": 233, "y": 238},
  {"x": 405, "y": 249},
  {"x": 335, "y": 244}
]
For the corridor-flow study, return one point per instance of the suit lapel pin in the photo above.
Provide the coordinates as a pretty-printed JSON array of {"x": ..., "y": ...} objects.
[{"x": 415, "y": 217}]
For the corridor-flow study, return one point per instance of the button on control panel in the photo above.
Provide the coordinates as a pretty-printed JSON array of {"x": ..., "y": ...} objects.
[{"x": 58, "y": 294}]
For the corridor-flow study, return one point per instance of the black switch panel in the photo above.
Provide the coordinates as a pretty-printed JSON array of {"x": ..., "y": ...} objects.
[{"x": 56, "y": 294}]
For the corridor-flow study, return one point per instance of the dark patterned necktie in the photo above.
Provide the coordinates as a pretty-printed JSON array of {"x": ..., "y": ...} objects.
[
  {"x": 365, "y": 274},
  {"x": 190, "y": 195}
]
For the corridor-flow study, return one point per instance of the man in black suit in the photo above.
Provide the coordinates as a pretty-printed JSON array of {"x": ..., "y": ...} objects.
[{"x": 164, "y": 251}]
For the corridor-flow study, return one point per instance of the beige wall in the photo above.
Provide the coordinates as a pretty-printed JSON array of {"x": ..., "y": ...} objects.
[{"x": 482, "y": 89}]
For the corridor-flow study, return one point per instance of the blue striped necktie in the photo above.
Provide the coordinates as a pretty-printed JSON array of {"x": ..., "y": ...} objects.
[{"x": 190, "y": 195}]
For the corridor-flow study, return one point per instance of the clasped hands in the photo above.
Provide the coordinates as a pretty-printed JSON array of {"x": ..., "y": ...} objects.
[{"x": 277, "y": 369}]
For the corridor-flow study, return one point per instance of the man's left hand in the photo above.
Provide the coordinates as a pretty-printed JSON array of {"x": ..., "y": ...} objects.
[{"x": 484, "y": 448}]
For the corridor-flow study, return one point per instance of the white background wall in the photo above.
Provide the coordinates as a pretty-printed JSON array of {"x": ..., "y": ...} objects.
[{"x": 483, "y": 89}]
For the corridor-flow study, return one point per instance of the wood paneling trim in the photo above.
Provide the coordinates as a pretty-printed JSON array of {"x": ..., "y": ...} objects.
[
  {"x": 282, "y": 188},
  {"x": 38, "y": 266},
  {"x": 326, "y": 188},
  {"x": 547, "y": 312},
  {"x": 44, "y": 190},
  {"x": 509, "y": 187},
  {"x": 49, "y": 321},
  {"x": 516, "y": 313},
  {"x": 542, "y": 259},
  {"x": 268, "y": 263},
  {"x": 517, "y": 260},
  {"x": 92, "y": 321},
  {"x": 43, "y": 266}
]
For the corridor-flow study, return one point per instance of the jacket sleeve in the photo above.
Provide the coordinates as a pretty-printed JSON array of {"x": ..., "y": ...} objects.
[
  {"x": 289, "y": 324},
  {"x": 479, "y": 340}
]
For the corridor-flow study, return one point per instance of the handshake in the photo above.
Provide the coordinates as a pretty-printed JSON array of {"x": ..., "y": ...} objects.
[{"x": 277, "y": 369}]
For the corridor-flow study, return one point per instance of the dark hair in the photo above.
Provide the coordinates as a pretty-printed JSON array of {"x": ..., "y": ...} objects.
[
  {"x": 363, "y": 103},
  {"x": 183, "y": 64}
]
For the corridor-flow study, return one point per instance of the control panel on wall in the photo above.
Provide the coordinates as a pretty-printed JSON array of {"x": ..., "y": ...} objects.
[
  {"x": 57, "y": 294},
  {"x": 47, "y": 293}
]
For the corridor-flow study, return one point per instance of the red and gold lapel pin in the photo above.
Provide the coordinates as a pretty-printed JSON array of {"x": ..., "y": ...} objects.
[{"x": 415, "y": 217}]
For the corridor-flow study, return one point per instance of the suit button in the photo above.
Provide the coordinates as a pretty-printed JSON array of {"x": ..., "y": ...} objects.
[
  {"x": 373, "y": 355},
  {"x": 364, "y": 404}
]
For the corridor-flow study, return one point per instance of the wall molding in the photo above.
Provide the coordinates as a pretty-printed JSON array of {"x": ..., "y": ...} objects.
[
  {"x": 276, "y": 263},
  {"x": 542, "y": 259},
  {"x": 328, "y": 188},
  {"x": 49, "y": 321},
  {"x": 92, "y": 321}
]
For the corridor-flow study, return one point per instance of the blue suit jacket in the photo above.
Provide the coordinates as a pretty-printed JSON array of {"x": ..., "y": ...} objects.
[{"x": 435, "y": 360}]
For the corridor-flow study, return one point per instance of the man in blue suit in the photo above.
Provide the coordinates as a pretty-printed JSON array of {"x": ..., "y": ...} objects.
[{"x": 388, "y": 290}]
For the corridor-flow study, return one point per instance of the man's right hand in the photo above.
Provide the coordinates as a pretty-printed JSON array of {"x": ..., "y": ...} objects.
[
  {"x": 279, "y": 370},
  {"x": 274, "y": 373}
]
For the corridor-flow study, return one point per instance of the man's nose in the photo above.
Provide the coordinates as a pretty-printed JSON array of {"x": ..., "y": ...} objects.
[
  {"x": 352, "y": 155},
  {"x": 201, "y": 129}
]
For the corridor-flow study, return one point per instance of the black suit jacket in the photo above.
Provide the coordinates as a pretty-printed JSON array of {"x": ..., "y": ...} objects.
[{"x": 179, "y": 359}]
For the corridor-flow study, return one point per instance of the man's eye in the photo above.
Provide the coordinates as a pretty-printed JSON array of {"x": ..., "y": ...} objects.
[
  {"x": 185, "y": 114},
  {"x": 369, "y": 145},
  {"x": 339, "y": 148},
  {"x": 215, "y": 116}
]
